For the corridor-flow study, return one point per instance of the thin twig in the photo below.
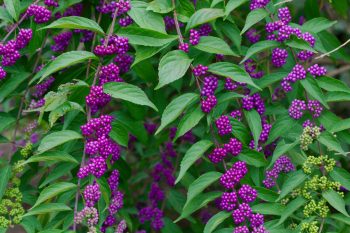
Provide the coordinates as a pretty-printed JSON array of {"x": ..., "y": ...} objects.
[
  {"x": 334, "y": 50},
  {"x": 285, "y": 1},
  {"x": 339, "y": 70}
]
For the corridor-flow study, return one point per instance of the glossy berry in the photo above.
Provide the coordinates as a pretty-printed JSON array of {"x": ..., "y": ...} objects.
[
  {"x": 234, "y": 146},
  {"x": 234, "y": 175},
  {"x": 253, "y": 36},
  {"x": 247, "y": 193},
  {"x": 184, "y": 47},
  {"x": 228, "y": 201},
  {"x": 208, "y": 104},
  {"x": 317, "y": 70},
  {"x": 315, "y": 108},
  {"x": 194, "y": 37},
  {"x": 223, "y": 125},
  {"x": 217, "y": 155},
  {"x": 200, "y": 70},
  {"x": 296, "y": 109},
  {"x": 279, "y": 57},
  {"x": 41, "y": 14}
]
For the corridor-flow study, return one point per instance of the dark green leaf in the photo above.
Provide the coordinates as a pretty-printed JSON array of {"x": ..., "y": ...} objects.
[
  {"x": 5, "y": 174},
  {"x": 337, "y": 96},
  {"x": 266, "y": 194},
  {"x": 254, "y": 122},
  {"x": 47, "y": 208},
  {"x": 76, "y": 22},
  {"x": 317, "y": 25},
  {"x": 172, "y": 67},
  {"x": 144, "y": 52},
  {"x": 294, "y": 180},
  {"x": 253, "y": 158},
  {"x": 175, "y": 108},
  {"x": 291, "y": 208},
  {"x": 314, "y": 90},
  {"x": 282, "y": 148},
  {"x": 6, "y": 121},
  {"x": 280, "y": 127},
  {"x": 190, "y": 120},
  {"x": 233, "y": 4},
  {"x": 191, "y": 156},
  {"x": 342, "y": 176},
  {"x": 340, "y": 126},
  {"x": 341, "y": 218},
  {"x": 332, "y": 84},
  {"x": 335, "y": 200},
  {"x": 128, "y": 92},
  {"x": 119, "y": 134},
  {"x": 51, "y": 156},
  {"x": 232, "y": 71},
  {"x": 61, "y": 170},
  {"x": 10, "y": 85}
]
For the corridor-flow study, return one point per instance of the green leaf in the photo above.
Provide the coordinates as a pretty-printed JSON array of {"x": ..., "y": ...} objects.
[
  {"x": 128, "y": 92},
  {"x": 197, "y": 203},
  {"x": 76, "y": 22},
  {"x": 169, "y": 226},
  {"x": 232, "y": 71},
  {"x": 215, "y": 221},
  {"x": 175, "y": 108},
  {"x": 51, "y": 156},
  {"x": 215, "y": 2},
  {"x": 253, "y": 158},
  {"x": 119, "y": 134},
  {"x": 6, "y": 121},
  {"x": 60, "y": 170},
  {"x": 331, "y": 142},
  {"x": 5, "y": 174},
  {"x": 269, "y": 208},
  {"x": 317, "y": 25},
  {"x": 65, "y": 60},
  {"x": 332, "y": 84},
  {"x": 281, "y": 149},
  {"x": 311, "y": 87},
  {"x": 10, "y": 85},
  {"x": 13, "y": 7},
  {"x": 259, "y": 47},
  {"x": 5, "y": 15},
  {"x": 160, "y": 6},
  {"x": 63, "y": 110},
  {"x": 254, "y": 122},
  {"x": 145, "y": 52},
  {"x": 294, "y": 180},
  {"x": 266, "y": 194},
  {"x": 335, "y": 200},
  {"x": 200, "y": 184},
  {"x": 338, "y": 96},
  {"x": 47, "y": 208},
  {"x": 298, "y": 43},
  {"x": 340, "y": 126},
  {"x": 136, "y": 128},
  {"x": 53, "y": 191},
  {"x": 204, "y": 15},
  {"x": 254, "y": 17},
  {"x": 57, "y": 138},
  {"x": 191, "y": 156},
  {"x": 231, "y": 31},
  {"x": 145, "y": 18},
  {"x": 233, "y": 4},
  {"x": 146, "y": 37},
  {"x": 291, "y": 208},
  {"x": 214, "y": 45},
  {"x": 342, "y": 176},
  {"x": 190, "y": 120},
  {"x": 172, "y": 67},
  {"x": 280, "y": 127},
  {"x": 341, "y": 218}
]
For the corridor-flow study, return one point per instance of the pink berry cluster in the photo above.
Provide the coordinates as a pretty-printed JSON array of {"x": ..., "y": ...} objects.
[
  {"x": 41, "y": 13},
  {"x": 237, "y": 202},
  {"x": 282, "y": 165},
  {"x": 297, "y": 108},
  {"x": 10, "y": 50}
]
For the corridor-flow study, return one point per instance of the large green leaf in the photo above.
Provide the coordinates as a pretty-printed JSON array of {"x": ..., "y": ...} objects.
[
  {"x": 259, "y": 47},
  {"x": 160, "y": 6},
  {"x": 294, "y": 180},
  {"x": 254, "y": 17},
  {"x": 233, "y": 4},
  {"x": 119, "y": 134},
  {"x": 76, "y": 22},
  {"x": 145, "y": 18},
  {"x": 191, "y": 156},
  {"x": 232, "y": 71},
  {"x": 298, "y": 43},
  {"x": 200, "y": 184},
  {"x": 204, "y": 15},
  {"x": 317, "y": 25},
  {"x": 144, "y": 52},
  {"x": 291, "y": 208},
  {"x": 175, "y": 108},
  {"x": 51, "y": 156},
  {"x": 252, "y": 158},
  {"x": 332, "y": 84},
  {"x": 215, "y": 221},
  {"x": 314, "y": 90},
  {"x": 62, "y": 110},
  {"x": 266, "y": 194},
  {"x": 269, "y": 79},
  {"x": 254, "y": 122},
  {"x": 65, "y": 60},
  {"x": 282, "y": 148},
  {"x": 6, "y": 121},
  {"x": 47, "y": 208},
  {"x": 214, "y": 45},
  {"x": 342, "y": 176},
  {"x": 13, "y": 7},
  {"x": 5, "y": 174},
  {"x": 341, "y": 218},
  {"x": 10, "y": 85},
  {"x": 189, "y": 120},
  {"x": 146, "y": 37},
  {"x": 57, "y": 138},
  {"x": 197, "y": 203},
  {"x": 172, "y": 67},
  {"x": 340, "y": 126},
  {"x": 269, "y": 208},
  {"x": 53, "y": 191},
  {"x": 335, "y": 200},
  {"x": 280, "y": 127},
  {"x": 128, "y": 92},
  {"x": 331, "y": 142},
  {"x": 60, "y": 170}
]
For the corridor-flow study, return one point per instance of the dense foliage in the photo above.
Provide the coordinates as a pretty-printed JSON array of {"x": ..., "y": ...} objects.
[{"x": 174, "y": 116}]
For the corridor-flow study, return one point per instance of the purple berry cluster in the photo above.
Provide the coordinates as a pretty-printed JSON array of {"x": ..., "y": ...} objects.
[
  {"x": 92, "y": 194},
  {"x": 61, "y": 41},
  {"x": 252, "y": 69},
  {"x": 282, "y": 165},
  {"x": 42, "y": 88},
  {"x": 200, "y": 70},
  {"x": 121, "y": 7},
  {"x": 170, "y": 23},
  {"x": 255, "y": 4},
  {"x": 97, "y": 99},
  {"x": 109, "y": 73},
  {"x": 298, "y": 73},
  {"x": 74, "y": 10},
  {"x": 315, "y": 108},
  {"x": 116, "y": 46},
  {"x": 41, "y": 14},
  {"x": 279, "y": 57},
  {"x": 86, "y": 35},
  {"x": 194, "y": 37},
  {"x": 230, "y": 85},
  {"x": 317, "y": 70},
  {"x": 209, "y": 100},
  {"x": 296, "y": 109},
  {"x": 126, "y": 21},
  {"x": 224, "y": 126},
  {"x": 52, "y": 3},
  {"x": 254, "y": 102},
  {"x": 124, "y": 62},
  {"x": 253, "y": 36}
]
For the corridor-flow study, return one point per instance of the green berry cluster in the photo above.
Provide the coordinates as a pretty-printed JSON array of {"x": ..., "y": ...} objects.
[
  {"x": 322, "y": 161},
  {"x": 11, "y": 209},
  {"x": 310, "y": 227},
  {"x": 26, "y": 151},
  {"x": 319, "y": 208},
  {"x": 308, "y": 136}
]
